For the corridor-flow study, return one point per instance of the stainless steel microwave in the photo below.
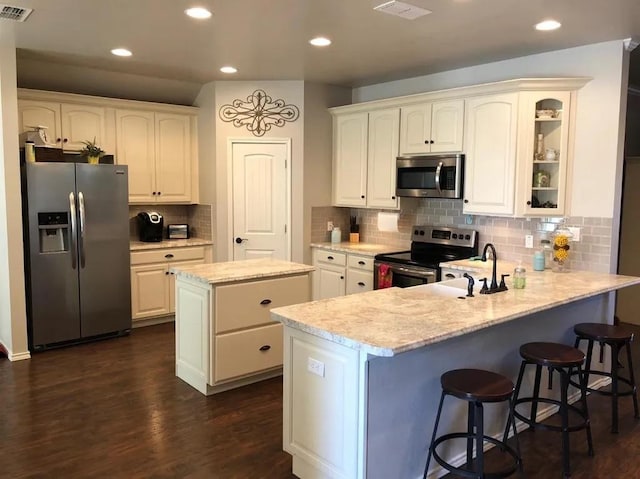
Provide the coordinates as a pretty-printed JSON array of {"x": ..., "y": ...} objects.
[{"x": 430, "y": 176}]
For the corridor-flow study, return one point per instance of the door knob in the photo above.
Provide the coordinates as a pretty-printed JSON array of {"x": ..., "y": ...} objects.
[{"x": 240, "y": 240}]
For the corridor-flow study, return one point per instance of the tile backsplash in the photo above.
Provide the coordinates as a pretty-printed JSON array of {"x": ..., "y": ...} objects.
[
  {"x": 591, "y": 253},
  {"x": 199, "y": 218}
]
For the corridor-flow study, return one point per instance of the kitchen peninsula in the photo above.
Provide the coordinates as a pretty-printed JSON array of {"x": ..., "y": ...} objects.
[
  {"x": 361, "y": 372},
  {"x": 224, "y": 336}
]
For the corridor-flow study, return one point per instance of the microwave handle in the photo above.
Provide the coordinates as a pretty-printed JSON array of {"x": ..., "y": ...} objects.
[{"x": 437, "y": 179}]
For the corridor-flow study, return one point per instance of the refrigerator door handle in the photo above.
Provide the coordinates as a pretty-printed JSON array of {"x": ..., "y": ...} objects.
[
  {"x": 82, "y": 221},
  {"x": 72, "y": 209}
]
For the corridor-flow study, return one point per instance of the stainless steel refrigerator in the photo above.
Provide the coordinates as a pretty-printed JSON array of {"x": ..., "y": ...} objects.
[{"x": 76, "y": 225}]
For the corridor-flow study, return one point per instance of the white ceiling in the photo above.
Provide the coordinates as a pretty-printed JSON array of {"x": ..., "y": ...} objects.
[{"x": 64, "y": 44}]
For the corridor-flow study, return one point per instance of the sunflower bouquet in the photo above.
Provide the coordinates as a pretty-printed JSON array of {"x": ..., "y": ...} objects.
[{"x": 561, "y": 247}]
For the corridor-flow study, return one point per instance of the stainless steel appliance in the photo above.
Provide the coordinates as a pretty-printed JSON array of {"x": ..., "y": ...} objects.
[
  {"x": 150, "y": 226},
  {"x": 430, "y": 246},
  {"x": 432, "y": 176},
  {"x": 178, "y": 231},
  {"x": 76, "y": 234}
]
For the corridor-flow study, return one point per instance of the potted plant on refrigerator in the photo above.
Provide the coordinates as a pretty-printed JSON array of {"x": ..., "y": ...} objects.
[{"x": 92, "y": 152}]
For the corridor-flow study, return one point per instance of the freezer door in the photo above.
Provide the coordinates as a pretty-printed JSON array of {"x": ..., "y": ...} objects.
[
  {"x": 52, "y": 275},
  {"x": 103, "y": 248}
]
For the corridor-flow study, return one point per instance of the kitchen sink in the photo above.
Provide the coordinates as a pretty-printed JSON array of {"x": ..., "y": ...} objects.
[{"x": 450, "y": 288}]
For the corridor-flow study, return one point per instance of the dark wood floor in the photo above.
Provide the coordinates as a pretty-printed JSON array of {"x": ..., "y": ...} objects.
[{"x": 115, "y": 409}]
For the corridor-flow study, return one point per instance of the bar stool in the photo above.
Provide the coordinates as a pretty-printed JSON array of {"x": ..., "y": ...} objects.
[
  {"x": 563, "y": 359},
  {"x": 616, "y": 337},
  {"x": 476, "y": 387}
]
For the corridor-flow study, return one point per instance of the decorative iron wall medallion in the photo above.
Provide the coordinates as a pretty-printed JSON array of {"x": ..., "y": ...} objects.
[{"x": 258, "y": 113}]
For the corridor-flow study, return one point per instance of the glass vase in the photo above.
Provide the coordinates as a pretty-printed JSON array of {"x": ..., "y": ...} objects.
[{"x": 562, "y": 238}]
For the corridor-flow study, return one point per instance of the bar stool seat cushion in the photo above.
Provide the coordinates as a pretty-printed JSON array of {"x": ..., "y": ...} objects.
[
  {"x": 603, "y": 332},
  {"x": 476, "y": 385},
  {"x": 552, "y": 354}
]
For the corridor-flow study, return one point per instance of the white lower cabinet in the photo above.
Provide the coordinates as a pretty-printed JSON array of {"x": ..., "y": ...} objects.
[
  {"x": 152, "y": 284},
  {"x": 338, "y": 274},
  {"x": 242, "y": 344}
]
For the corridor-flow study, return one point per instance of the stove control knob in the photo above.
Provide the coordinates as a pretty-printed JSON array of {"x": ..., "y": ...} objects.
[
  {"x": 421, "y": 232},
  {"x": 415, "y": 232},
  {"x": 455, "y": 236},
  {"x": 467, "y": 237}
]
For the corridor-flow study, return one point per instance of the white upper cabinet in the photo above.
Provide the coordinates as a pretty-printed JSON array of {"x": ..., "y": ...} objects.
[
  {"x": 365, "y": 151},
  {"x": 432, "y": 127},
  {"x": 350, "y": 160},
  {"x": 490, "y": 149},
  {"x": 384, "y": 128},
  {"x": 68, "y": 125},
  {"x": 157, "y": 149},
  {"x": 543, "y": 153}
]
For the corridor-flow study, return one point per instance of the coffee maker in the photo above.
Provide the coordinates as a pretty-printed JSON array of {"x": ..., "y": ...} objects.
[{"x": 150, "y": 226}]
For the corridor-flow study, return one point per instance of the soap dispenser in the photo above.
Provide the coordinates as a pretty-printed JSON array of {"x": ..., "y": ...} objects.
[{"x": 336, "y": 235}]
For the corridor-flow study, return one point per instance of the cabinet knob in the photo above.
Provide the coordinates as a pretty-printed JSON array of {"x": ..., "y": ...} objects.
[
  {"x": 166, "y": 272},
  {"x": 362, "y": 197},
  {"x": 360, "y": 283},
  {"x": 426, "y": 142},
  {"x": 159, "y": 193},
  {"x": 266, "y": 347},
  {"x": 341, "y": 277},
  {"x": 65, "y": 140},
  {"x": 58, "y": 140},
  {"x": 466, "y": 201},
  {"x": 264, "y": 302},
  {"x": 432, "y": 142},
  {"x": 528, "y": 203},
  {"x": 153, "y": 193},
  {"x": 393, "y": 197}
]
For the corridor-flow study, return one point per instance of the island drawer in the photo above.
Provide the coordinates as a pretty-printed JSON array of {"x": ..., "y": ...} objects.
[
  {"x": 167, "y": 255},
  {"x": 247, "y": 352},
  {"x": 331, "y": 257},
  {"x": 244, "y": 305},
  {"x": 360, "y": 262}
]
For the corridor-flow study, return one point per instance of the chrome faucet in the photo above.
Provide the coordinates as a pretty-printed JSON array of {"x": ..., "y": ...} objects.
[{"x": 494, "y": 288}]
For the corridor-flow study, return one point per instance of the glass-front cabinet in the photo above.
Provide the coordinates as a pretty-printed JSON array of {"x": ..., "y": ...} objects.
[{"x": 543, "y": 153}]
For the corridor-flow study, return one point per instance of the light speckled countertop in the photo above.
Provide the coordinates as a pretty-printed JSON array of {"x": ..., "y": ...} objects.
[
  {"x": 390, "y": 321},
  {"x": 484, "y": 268},
  {"x": 232, "y": 271},
  {"x": 365, "y": 249},
  {"x": 168, "y": 243}
]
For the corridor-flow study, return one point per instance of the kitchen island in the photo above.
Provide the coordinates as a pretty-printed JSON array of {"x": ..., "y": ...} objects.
[
  {"x": 362, "y": 372},
  {"x": 224, "y": 336}
]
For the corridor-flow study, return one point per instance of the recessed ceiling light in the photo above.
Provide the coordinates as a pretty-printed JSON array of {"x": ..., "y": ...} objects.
[
  {"x": 548, "y": 25},
  {"x": 320, "y": 42},
  {"x": 228, "y": 69},
  {"x": 121, "y": 52},
  {"x": 198, "y": 12}
]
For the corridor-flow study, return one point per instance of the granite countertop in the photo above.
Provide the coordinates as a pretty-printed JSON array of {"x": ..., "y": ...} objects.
[
  {"x": 365, "y": 249},
  {"x": 135, "y": 245},
  {"x": 390, "y": 321},
  {"x": 482, "y": 268},
  {"x": 232, "y": 271}
]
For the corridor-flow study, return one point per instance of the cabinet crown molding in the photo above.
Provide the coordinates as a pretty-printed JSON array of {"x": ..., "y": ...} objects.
[
  {"x": 504, "y": 86},
  {"x": 44, "y": 95}
]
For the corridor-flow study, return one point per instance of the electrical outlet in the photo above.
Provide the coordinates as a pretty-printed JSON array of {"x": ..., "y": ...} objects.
[
  {"x": 315, "y": 367},
  {"x": 575, "y": 231},
  {"x": 528, "y": 241},
  {"x": 329, "y": 225}
]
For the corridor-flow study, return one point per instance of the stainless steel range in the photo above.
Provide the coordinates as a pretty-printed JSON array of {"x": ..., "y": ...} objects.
[{"x": 430, "y": 246}]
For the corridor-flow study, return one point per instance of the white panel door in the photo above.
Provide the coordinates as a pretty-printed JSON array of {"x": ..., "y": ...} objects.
[
  {"x": 82, "y": 123},
  {"x": 350, "y": 160},
  {"x": 40, "y": 113},
  {"x": 135, "y": 147},
  {"x": 149, "y": 291},
  {"x": 415, "y": 129},
  {"x": 447, "y": 124},
  {"x": 490, "y": 146},
  {"x": 384, "y": 131},
  {"x": 173, "y": 157},
  {"x": 260, "y": 195}
]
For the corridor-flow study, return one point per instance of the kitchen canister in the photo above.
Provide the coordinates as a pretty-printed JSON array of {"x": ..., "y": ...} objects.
[
  {"x": 336, "y": 235},
  {"x": 538, "y": 261},
  {"x": 519, "y": 276},
  {"x": 29, "y": 151},
  {"x": 561, "y": 249}
]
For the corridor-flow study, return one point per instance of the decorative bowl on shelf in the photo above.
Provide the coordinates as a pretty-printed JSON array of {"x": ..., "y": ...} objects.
[{"x": 546, "y": 113}]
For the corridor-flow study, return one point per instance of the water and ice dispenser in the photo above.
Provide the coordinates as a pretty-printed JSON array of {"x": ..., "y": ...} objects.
[{"x": 54, "y": 232}]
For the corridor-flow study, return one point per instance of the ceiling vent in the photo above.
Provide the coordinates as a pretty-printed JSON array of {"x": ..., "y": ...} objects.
[
  {"x": 17, "y": 14},
  {"x": 402, "y": 10}
]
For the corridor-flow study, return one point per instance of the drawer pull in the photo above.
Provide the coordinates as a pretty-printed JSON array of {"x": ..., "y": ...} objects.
[
  {"x": 330, "y": 258},
  {"x": 265, "y": 301},
  {"x": 168, "y": 255},
  {"x": 266, "y": 347},
  {"x": 361, "y": 263},
  {"x": 450, "y": 275},
  {"x": 360, "y": 283}
]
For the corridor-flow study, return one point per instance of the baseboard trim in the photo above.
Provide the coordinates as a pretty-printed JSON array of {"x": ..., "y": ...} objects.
[
  {"x": 141, "y": 323},
  {"x": 19, "y": 356}
]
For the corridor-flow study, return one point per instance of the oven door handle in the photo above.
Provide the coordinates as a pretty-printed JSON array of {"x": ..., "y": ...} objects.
[
  {"x": 412, "y": 272},
  {"x": 437, "y": 179}
]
